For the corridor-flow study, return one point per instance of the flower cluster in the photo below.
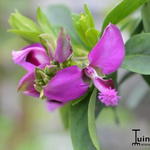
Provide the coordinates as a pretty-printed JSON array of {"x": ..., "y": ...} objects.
[{"x": 51, "y": 75}]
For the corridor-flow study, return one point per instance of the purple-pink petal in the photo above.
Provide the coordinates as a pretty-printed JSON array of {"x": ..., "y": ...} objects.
[
  {"x": 26, "y": 85},
  {"x": 64, "y": 49},
  {"x": 31, "y": 56},
  {"x": 109, "y": 52},
  {"x": 102, "y": 84},
  {"x": 66, "y": 85},
  {"x": 52, "y": 105},
  {"x": 107, "y": 94}
]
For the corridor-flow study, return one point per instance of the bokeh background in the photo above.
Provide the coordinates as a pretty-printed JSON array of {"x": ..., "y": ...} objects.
[{"x": 25, "y": 124}]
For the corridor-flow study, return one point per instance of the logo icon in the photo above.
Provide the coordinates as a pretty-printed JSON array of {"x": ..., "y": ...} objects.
[{"x": 140, "y": 140}]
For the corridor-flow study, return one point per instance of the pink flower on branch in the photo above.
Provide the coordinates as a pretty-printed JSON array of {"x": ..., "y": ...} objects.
[
  {"x": 106, "y": 57},
  {"x": 65, "y": 84}
]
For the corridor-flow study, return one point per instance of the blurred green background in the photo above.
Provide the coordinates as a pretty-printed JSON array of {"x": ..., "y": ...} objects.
[{"x": 25, "y": 124}]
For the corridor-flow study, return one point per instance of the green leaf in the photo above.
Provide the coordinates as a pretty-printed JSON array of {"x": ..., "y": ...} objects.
[
  {"x": 92, "y": 36},
  {"x": 43, "y": 21},
  {"x": 31, "y": 37},
  {"x": 91, "y": 119},
  {"x": 64, "y": 113},
  {"x": 80, "y": 136},
  {"x": 79, "y": 99},
  {"x": 145, "y": 17},
  {"x": 146, "y": 24},
  {"x": 90, "y": 16},
  {"x": 132, "y": 25},
  {"x": 20, "y": 22},
  {"x": 122, "y": 10},
  {"x": 116, "y": 117},
  {"x": 60, "y": 16},
  {"x": 25, "y": 27},
  {"x": 79, "y": 25},
  {"x": 138, "y": 54},
  {"x": 85, "y": 27}
]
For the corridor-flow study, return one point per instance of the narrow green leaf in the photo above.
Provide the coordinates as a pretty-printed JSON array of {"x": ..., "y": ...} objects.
[
  {"x": 82, "y": 97},
  {"x": 24, "y": 26},
  {"x": 116, "y": 117},
  {"x": 145, "y": 17},
  {"x": 122, "y": 10},
  {"x": 79, "y": 27},
  {"x": 43, "y": 21},
  {"x": 79, "y": 99},
  {"x": 85, "y": 28},
  {"x": 91, "y": 119},
  {"x": 92, "y": 36},
  {"x": 90, "y": 17},
  {"x": 146, "y": 26},
  {"x": 20, "y": 22},
  {"x": 98, "y": 108},
  {"x": 80, "y": 136},
  {"x": 31, "y": 37},
  {"x": 64, "y": 113},
  {"x": 138, "y": 54}
]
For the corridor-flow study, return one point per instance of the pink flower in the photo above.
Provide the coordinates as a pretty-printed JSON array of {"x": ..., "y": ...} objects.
[
  {"x": 35, "y": 55},
  {"x": 31, "y": 56},
  {"x": 106, "y": 57},
  {"x": 67, "y": 84}
]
